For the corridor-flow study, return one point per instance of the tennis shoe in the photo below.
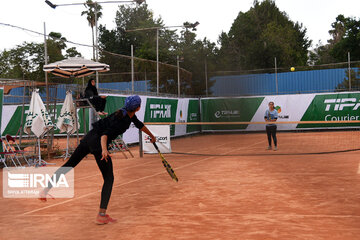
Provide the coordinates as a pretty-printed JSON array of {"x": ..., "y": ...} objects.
[
  {"x": 269, "y": 148},
  {"x": 101, "y": 220},
  {"x": 44, "y": 195},
  {"x": 275, "y": 149}
]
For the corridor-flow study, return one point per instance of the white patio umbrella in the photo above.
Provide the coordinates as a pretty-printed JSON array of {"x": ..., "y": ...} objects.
[
  {"x": 75, "y": 67},
  {"x": 67, "y": 120},
  {"x": 67, "y": 117},
  {"x": 38, "y": 120}
]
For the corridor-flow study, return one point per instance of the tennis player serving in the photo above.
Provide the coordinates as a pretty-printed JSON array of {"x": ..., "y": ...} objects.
[
  {"x": 96, "y": 142},
  {"x": 271, "y": 115}
]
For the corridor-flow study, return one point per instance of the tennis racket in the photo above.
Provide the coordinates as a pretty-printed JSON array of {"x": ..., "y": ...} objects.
[{"x": 166, "y": 165}]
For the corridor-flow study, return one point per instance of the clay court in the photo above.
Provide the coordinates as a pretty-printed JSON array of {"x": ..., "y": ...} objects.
[{"x": 249, "y": 193}]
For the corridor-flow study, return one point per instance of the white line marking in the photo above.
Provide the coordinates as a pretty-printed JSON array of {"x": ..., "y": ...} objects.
[
  {"x": 247, "y": 215},
  {"x": 358, "y": 172},
  {"x": 119, "y": 185}
]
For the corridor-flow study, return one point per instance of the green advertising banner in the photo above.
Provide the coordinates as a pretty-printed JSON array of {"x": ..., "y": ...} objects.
[
  {"x": 300, "y": 107},
  {"x": 1, "y": 109},
  {"x": 113, "y": 103},
  {"x": 13, "y": 126},
  {"x": 229, "y": 110},
  {"x": 193, "y": 116},
  {"x": 1, "y": 102},
  {"x": 161, "y": 110},
  {"x": 333, "y": 107},
  {"x": 14, "y": 123}
]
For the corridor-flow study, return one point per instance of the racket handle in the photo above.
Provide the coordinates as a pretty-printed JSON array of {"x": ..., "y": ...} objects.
[{"x": 156, "y": 146}]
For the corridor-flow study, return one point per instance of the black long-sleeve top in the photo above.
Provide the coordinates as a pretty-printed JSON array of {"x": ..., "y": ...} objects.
[
  {"x": 111, "y": 126},
  {"x": 91, "y": 92}
]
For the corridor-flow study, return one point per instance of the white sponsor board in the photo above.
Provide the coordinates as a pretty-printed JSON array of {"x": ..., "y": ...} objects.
[
  {"x": 29, "y": 182},
  {"x": 290, "y": 108},
  {"x": 132, "y": 134},
  {"x": 8, "y": 112},
  {"x": 162, "y": 134},
  {"x": 181, "y": 116}
]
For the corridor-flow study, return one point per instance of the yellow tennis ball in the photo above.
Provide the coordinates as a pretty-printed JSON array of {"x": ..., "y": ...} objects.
[{"x": 292, "y": 69}]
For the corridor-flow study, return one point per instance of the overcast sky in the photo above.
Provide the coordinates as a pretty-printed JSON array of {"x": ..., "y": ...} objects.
[{"x": 214, "y": 17}]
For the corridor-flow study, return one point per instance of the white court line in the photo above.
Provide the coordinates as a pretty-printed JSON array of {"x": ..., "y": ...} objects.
[
  {"x": 358, "y": 172},
  {"x": 119, "y": 185},
  {"x": 247, "y": 215}
]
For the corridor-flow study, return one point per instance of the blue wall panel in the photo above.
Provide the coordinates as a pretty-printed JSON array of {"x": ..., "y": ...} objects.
[{"x": 288, "y": 83}]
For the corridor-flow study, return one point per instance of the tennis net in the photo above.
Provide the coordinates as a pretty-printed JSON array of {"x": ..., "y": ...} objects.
[{"x": 250, "y": 138}]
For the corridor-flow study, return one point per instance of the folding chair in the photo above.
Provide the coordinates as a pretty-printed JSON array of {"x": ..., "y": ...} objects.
[
  {"x": 119, "y": 145},
  {"x": 3, "y": 159},
  {"x": 14, "y": 147},
  {"x": 6, "y": 154}
]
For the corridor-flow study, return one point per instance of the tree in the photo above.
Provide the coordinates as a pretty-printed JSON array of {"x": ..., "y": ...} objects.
[
  {"x": 119, "y": 41},
  {"x": 26, "y": 61},
  {"x": 345, "y": 37},
  {"x": 195, "y": 54},
  {"x": 90, "y": 16},
  {"x": 56, "y": 43},
  {"x": 186, "y": 46},
  {"x": 72, "y": 52},
  {"x": 22, "y": 62},
  {"x": 259, "y": 35}
]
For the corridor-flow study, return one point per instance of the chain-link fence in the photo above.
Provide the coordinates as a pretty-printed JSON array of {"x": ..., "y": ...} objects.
[
  {"x": 293, "y": 80},
  {"x": 143, "y": 80}
]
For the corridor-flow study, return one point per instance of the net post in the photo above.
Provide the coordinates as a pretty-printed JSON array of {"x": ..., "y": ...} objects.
[
  {"x": 200, "y": 115},
  {"x": 141, "y": 152}
]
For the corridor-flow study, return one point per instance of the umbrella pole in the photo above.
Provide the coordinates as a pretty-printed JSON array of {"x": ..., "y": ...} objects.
[
  {"x": 54, "y": 118},
  {"x": 40, "y": 160},
  {"x": 47, "y": 91},
  {"x": 67, "y": 154},
  {"x": 22, "y": 115},
  {"x": 76, "y": 124},
  {"x": 67, "y": 146}
]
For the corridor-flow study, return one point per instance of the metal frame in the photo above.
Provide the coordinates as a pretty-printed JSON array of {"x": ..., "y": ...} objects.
[
  {"x": 90, "y": 106},
  {"x": 15, "y": 148}
]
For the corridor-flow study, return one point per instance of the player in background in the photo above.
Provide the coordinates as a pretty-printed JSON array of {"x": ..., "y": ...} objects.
[{"x": 271, "y": 115}]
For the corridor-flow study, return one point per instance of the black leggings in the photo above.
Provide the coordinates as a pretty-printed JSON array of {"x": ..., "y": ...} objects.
[
  {"x": 105, "y": 167},
  {"x": 271, "y": 131}
]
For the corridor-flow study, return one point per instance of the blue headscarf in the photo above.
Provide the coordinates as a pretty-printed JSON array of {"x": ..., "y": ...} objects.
[{"x": 132, "y": 103}]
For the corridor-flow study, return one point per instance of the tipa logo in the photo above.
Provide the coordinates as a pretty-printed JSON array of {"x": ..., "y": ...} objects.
[
  {"x": 160, "y": 110},
  {"x": 20, "y": 180},
  {"x": 227, "y": 113},
  {"x": 342, "y": 103}
]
